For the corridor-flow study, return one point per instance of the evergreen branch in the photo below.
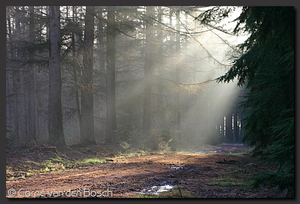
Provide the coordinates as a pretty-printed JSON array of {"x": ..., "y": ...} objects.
[
  {"x": 209, "y": 25},
  {"x": 208, "y": 53}
]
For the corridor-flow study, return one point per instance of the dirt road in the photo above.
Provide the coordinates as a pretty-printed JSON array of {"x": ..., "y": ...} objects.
[{"x": 214, "y": 172}]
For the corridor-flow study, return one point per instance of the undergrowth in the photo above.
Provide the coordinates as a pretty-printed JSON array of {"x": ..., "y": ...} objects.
[
  {"x": 55, "y": 163},
  {"x": 43, "y": 162}
]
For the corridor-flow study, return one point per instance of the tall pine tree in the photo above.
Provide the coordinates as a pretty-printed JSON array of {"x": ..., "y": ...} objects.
[
  {"x": 87, "y": 103},
  {"x": 55, "y": 125},
  {"x": 267, "y": 70}
]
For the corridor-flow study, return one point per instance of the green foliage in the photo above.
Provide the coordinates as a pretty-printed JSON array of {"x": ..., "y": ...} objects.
[
  {"x": 227, "y": 182},
  {"x": 170, "y": 138},
  {"x": 235, "y": 154},
  {"x": 134, "y": 138},
  {"x": 166, "y": 140},
  {"x": 92, "y": 161},
  {"x": 282, "y": 180},
  {"x": 266, "y": 68}
]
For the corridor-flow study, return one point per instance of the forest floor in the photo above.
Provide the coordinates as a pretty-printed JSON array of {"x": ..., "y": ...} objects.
[{"x": 221, "y": 171}]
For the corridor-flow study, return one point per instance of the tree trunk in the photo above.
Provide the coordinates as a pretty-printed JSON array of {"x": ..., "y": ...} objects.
[
  {"x": 171, "y": 34},
  {"x": 222, "y": 126},
  {"x": 7, "y": 107},
  {"x": 87, "y": 101},
  {"x": 111, "y": 120},
  {"x": 102, "y": 78},
  {"x": 229, "y": 126},
  {"x": 75, "y": 68},
  {"x": 32, "y": 91},
  {"x": 178, "y": 106},
  {"x": 22, "y": 102},
  {"x": 161, "y": 72},
  {"x": 236, "y": 128},
  {"x": 55, "y": 125},
  {"x": 14, "y": 87},
  {"x": 148, "y": 75}
]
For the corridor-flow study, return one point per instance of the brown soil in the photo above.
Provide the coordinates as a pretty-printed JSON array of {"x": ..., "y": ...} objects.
[{"x": 196, "y": 175}]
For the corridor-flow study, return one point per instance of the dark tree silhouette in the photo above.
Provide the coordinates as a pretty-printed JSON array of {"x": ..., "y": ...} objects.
[{"x": 55, "y": 125}]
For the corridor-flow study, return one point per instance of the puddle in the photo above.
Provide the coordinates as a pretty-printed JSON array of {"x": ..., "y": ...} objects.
[
  {"x": 188, "y": 168},
  {"x": 232, "y": 144},
  {"x": 155, "y": 190},
  {"x": 163, "y": 186},
  {"x": 205, "y": 152},
  {"x": 184, "y": 167},
  {"x": 179, "y": 168}
]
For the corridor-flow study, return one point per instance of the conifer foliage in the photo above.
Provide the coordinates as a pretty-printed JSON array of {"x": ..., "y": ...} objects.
[{"x": 266, "y": 68}]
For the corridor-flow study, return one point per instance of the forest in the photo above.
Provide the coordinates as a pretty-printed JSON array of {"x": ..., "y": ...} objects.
[{"x": 112, "y": 83}]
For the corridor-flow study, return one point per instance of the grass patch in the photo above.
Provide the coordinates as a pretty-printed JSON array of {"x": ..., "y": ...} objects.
[
  {"x": 139, "y": 153},
  {"x": 91, "y": 161},
  {"x": 235, "y": 154},
  {"x": 227, "y": 182},
  {"x": 55, "y": 163},
  {"x": 48, "y": 166},
  {"x": 131, "y": 154},
  {"x": 44, "y": 162}
]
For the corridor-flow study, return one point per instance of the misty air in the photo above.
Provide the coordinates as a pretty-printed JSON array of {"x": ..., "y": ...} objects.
[{"x": 149, "y": 102}]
